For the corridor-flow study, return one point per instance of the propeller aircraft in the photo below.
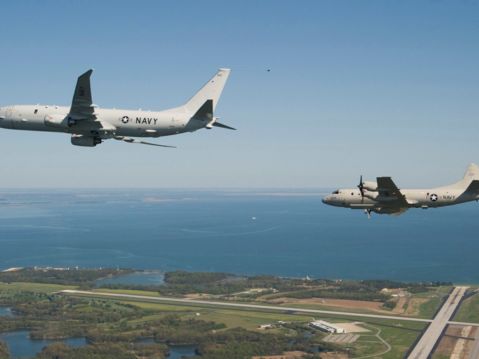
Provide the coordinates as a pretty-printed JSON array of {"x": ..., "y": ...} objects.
[{"x": 384, "y": 197}]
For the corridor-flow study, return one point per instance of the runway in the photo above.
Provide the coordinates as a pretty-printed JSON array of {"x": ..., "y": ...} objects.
[
  {"x": 431, "y": 336},
  {"x": 209, "y": 303}
]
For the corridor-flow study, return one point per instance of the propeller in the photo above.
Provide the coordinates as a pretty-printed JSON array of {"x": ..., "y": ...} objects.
[
  {"x": 361, "y": 187},
  {"x": 132, "y": 140}
]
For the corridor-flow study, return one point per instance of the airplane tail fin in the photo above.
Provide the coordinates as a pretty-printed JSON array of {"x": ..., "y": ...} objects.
[
  {"x": 205, "y": 113},
  {"x": 472, "y": 173},
  {"x": 210, "y": 91},
  {"x": 470, "y": 179}
]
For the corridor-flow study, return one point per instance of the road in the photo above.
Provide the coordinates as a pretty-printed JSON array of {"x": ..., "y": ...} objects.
[
  {"x": 151, "y": 299},
  {"x": 430, "y": 337}
]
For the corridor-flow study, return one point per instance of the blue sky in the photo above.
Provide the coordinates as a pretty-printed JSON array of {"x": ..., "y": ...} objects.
[{"x": 371, "y": 87}]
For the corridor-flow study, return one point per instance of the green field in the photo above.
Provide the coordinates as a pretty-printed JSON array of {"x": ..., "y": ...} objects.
[
  {"x": 435, "y": 299},
  {"x": 128, "y": 291},
  {"x": 34, "y": 287},
  {"x": 469, "y": 310},
  {"x": 112, "y": 318},
  {"x": 400, "y": 335}
]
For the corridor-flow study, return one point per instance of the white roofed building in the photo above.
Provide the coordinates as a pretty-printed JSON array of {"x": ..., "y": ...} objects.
[{"x": 327, "y": 327}]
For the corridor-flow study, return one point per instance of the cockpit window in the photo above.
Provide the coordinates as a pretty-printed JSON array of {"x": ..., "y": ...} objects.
[{"x": 336, "y": 192}]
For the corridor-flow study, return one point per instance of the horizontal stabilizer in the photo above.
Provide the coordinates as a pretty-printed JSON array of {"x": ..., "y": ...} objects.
[{"x": 218, "y": 124}]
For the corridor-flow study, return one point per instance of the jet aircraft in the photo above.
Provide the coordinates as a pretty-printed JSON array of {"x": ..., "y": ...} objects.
[
  {"x": 90, "y": 125},
  {"x": 383, "y": 196}
]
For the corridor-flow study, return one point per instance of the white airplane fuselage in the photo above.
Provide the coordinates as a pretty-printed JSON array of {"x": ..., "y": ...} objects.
[
  {"x": 383, "y": 196},
  {"x": 416, "y": 198},
  {"x": 126, "y": 122},
  {"x": 89, "y": 125}
]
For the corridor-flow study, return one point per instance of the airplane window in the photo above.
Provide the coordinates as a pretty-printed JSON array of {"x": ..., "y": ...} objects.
[
  {"x": 336, "y": 192},
  {"x": 36, "y": 111}
]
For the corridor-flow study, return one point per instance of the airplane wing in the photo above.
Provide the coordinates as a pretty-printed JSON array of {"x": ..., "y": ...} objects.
[
  {"x": 388, "y": 189},
  {"x": 134, "y": 140},
  {"x": 82, "y": 107}
]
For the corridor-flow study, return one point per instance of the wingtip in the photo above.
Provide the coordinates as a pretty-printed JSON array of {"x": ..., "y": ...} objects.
[{"x": 87, "y": 73}]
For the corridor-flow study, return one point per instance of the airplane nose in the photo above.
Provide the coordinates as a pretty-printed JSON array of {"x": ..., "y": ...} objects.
[{"x": 325, "y": 200}]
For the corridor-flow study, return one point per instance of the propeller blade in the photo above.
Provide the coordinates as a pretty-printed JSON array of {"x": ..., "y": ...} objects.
[
  {"x": 361, "y": 187},
  {"x": 132, "y": 140},
  {"x": 219, "y": 124}
]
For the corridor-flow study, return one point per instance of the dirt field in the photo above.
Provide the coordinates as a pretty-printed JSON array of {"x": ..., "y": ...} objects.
[
  {"x": 353, "y": 327},
  {"x": 454, "y": 347},
  {"x": 340, "y": 303},
  {"x": 333, "y": 356},
  {"x": 285, "y": 355},
  {"x": 414, "y": 304},
  {"x": 341, "y": 338},
  {"x": 399, "y": 308}
]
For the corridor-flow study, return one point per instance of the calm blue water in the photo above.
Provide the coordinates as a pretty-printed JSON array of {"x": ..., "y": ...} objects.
[
  {"x": 237, "y": 232},
  {"x": 178, "y": 352},
  {"x": 175, "y": 351},
  {"x": 20, "y": 345},
  {"x": 5, "y": 312}
]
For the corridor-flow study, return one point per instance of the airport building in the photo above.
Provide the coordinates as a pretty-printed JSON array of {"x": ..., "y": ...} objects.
[{"x": 327, "y": 327}]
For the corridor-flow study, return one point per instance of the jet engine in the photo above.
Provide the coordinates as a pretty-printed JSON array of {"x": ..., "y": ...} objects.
[{"x": 85, "y": 141}]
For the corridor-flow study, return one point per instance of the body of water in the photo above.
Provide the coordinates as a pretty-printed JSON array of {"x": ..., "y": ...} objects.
[
  {"x": 21, "y": 346},
  {"x": 281, "y": 233},
  {"x": 5, "y": 312},
  {"x": 180, "y": 351}
]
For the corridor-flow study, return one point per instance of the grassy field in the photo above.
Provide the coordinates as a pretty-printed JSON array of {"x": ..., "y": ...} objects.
[
  {"x": 434, "y": 300},
  {"x": 469, "y": 310},
  {"x": 400, "y": 335},
  {"x": 128, "y": 291},
  {"x": 335, "y": 308},
  {"x": 33, "y": 287}
]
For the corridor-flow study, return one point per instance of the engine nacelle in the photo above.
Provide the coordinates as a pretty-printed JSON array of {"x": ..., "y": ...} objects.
[
  {"x": 370, "y": 186},
  {"x": 85, "y": 141},
  {"x": 371, "y": 195}
]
